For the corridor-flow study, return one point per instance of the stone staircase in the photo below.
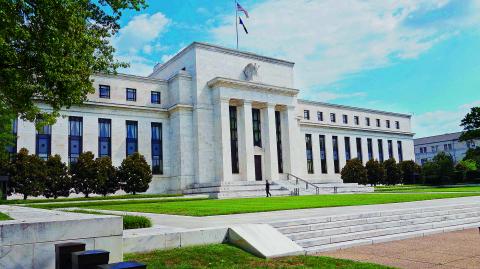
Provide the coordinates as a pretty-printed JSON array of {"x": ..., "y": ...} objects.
[
  {"x": 237, "y": 189},
  {"x": 312, "y": 187},
  {"x": 327, "y": 233}
]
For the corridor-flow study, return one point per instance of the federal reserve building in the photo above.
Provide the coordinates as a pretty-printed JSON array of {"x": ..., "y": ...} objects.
[{"x": 221, "y": 122}]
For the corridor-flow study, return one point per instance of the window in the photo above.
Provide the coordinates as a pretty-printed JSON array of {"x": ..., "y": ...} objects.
[
  {"x": 306, "y": 114},
  {"x": 390, "y": 149},
  {"x": 157, "y": 149},
  {"x": 131, "y": 94},
  {"x": 257, "y": 131},
  {"x": 367, "y": 121},
  {"x": 345, "y": 119},
  {"x": 445, "y": 147},
  {"x": 323, "y": 154},
  {"x": 332, "y": 117},
  {"x": 359, "y": 148},
  {"x": 400, "y": 151},
  {"x": 397, "y": 124},
  {"x": 104, "y": 137},
  {"x": 370, "y": 148},
  {"x": 356, "y": 119},
  {"x": 434, "y": 148},
  {"x": 450, "y": 147},
  {"x": 234, "y": 140},
  {"x": 308, "y": 144},
  {"x": 43, "y": 145},
  {"x": 12, "y": 149},
  {"x": 380, "y": 150},
  {"x": 320, "y": 115},
  {"x": 278, "y": 130},
  {"x": 132, "y": 137},
  {"x": 424, "y": 149},
  {"x": 104, "y": 91},
  {"x": 75, "y": 138},
  {"x": 421, "y": 149},
  {"x": 387, "y": 123},
  {"x": 336, "y": 162},
  {"x": 378, "y": 122},
  {"x": 347, "y": 148},
  {"x": 155, "y": 98},
  {"x": 470, "y": 144}
]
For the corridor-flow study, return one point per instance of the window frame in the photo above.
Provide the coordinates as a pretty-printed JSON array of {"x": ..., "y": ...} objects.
[
  {"x": 78, "y": 138},
  {"x": 134, "y": 92},
  {"x": 105, "y": 87},
  {"x": 105, "y": 139},
  {"x": 156, "y": 93},
  {"x": 306, "y": 114}
]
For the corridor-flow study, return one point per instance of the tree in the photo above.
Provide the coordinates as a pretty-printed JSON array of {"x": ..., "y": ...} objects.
[
  {"x": 375, "y": 172},
  {"x": 471, "y": 125},
  {"x": 107, "y": 180},
  {"x": 410, "y": 171},
  {"x": 84, "y": 174},
  {"x": 27, "y": 175},
  {"x": 445, "y": 166},
  {"x": 354, "y": 172},
  {"x": 469, "y": 165},
  {"x": 393, "y": 174},
  {"x": 57, "y": 182},
  {"x": 473, "y": 154},
  {"x": 134, "y": 174},
  {"x": 50, "y": 48}
]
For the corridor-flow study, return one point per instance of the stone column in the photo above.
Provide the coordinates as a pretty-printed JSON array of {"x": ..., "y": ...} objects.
[
  {"x": 353, "y": 147},
  {"x": 223, "y": 156},
  {"x": 245, "y": 141},
  {"x": 376, "y": 153},
  {"x": 395, "y": 150},
  {"x": 290, "y": 140},
  {"x": 270, "y": 144},
  {"x": 365, "y": 150},
  {"x": 341, "y": 151},
  {"x": 329, "y": 150},
  {"x": 317, "y": 166}
]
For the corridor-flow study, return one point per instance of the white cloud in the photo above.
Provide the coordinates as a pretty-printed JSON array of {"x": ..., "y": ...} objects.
[
  {"x": 326, "y": 96},
  {"x": 440, "y": 121},
  {"x": 332, "y": 39}
]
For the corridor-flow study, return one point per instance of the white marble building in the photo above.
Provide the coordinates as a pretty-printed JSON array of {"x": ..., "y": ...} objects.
[{"x": 211, "y": 116}]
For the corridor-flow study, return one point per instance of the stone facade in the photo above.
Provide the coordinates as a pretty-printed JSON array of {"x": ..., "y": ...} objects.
[{"x": 211, "y": 105}]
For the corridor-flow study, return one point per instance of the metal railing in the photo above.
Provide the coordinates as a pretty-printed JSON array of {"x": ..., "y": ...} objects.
[{"x": 307, "y": 184}]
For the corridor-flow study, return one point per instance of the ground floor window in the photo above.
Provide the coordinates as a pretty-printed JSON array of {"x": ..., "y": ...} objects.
[
  {"x": 104, "y": 138},
  {"x": 323, "y": 154},
  {"x": 380, "y": 150},
  {"x": 359, "y": 148},
  {"x": 43, "y": 143},
  {"x": 278, "y": 129},
  {"x": 75, "y": 138},
  {"x": 347, "y": 148},
  {"x": 132, "y": 137},
  {"x": 400, "y": 151},
  {"x": 336, "y": 162},
  {"x": 370, "y": 148},
  {"x": 234, "y": 139},
  {"x": 157, "y": 149},
  {"x": 308, "y": 144},
  {"x": 390, "y": 149}
]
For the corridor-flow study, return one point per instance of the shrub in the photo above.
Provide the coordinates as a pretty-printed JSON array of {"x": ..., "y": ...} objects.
[
  {"x": 57, "y": 182},
  {"x": 410, "y": 172},
  {"x": 28, "y": 174},
  {"x": 136, "y": 222},
  {"x": 107, "y": 180},
  {"x": 375, "y": 172},
  {"x": 445, "y": 167},
  {"x": 354, "y": 172},
  {"x": 134, "y": 174},
  {"x": 84, "y": 174},
  {"x": 393, "y": 174},
  {"x": 430, "y": 171},
  {"x": 473, "y": 154}
]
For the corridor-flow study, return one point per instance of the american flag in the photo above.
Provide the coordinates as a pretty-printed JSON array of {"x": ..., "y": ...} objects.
[{"x": 240, "y": 8}]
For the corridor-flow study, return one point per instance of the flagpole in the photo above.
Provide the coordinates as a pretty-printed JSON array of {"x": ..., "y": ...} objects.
[{"x": 236, "y": 21}]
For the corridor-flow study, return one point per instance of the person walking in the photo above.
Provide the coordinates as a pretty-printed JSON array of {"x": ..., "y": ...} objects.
[{"x": 267, "y": 188}]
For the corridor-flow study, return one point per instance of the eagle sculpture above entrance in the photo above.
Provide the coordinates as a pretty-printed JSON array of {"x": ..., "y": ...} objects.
[{"x": 250, "y": 70}]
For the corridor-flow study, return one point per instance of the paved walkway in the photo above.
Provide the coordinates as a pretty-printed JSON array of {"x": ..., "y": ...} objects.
[{"x": 449, "y": 250}]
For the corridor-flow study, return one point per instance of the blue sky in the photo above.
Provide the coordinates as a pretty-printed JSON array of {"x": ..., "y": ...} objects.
[{"x": 420, "y": 57}]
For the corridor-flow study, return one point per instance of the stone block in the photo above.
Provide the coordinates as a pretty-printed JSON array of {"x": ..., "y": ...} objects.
[{"x": 112, "y": 244}]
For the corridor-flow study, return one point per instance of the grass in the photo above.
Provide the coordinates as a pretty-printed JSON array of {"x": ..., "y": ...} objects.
[
  {"x": 226, "y": 256},
  {"x": 424, "y": 188},
  {"x": 209, "y": 207},
  {"x": 79, "y": 199},
  {"x": 129, "y": 221},
  {"x": 4, "y": 216}
]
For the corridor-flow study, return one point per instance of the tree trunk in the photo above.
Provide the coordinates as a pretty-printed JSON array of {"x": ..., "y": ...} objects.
[{"x": 25, "y": 197}]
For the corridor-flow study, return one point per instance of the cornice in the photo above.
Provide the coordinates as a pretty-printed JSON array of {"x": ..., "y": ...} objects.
[
  {"x": 131, "y": 77},
  {"x": 320, "y": 125},
  {"x": 252, "y": 86}
]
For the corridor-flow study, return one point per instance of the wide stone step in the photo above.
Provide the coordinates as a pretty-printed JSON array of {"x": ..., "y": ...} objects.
[
  {"x": 247, "y": 194},
  {"x": 232, "y": 188}
]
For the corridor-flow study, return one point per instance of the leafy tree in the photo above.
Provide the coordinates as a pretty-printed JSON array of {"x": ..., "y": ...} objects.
[
  {"x": 84, "y": 174},
  {"x": 375, "y": 172},
  {"x": 445, "y": 166},
  {"x": 471, "y": 125},
  {"x": 135, "y": 174},
  {"x": 469, "y": 165},
  {"x": 27, "y": 174},
  {"x": 473, "y": 154},
  {"x": 6, "y": 136},
  {"x": 410, "y": 171},
  {"x": 354, "y": 172},
  {"x": 50, "y": 48},
  {"x": 58, "y": 182},
  {"x": 107, "y": 180},
  {"x": 431, "y": 174},
  {"x": 393, "y": 173}
]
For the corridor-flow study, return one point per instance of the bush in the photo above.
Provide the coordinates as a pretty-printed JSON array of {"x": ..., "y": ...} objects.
[
  {"x": 410, "y": 172},
  {"x": 473, "y": 154},
  {"x": 57, "y": 182},
  {"x": 445, "y": 166},
  {"x": 430, "y": 171},
  {"x": 393, "y": 174},
  {"x": 84, "y": 174},
  {"x": 134, "y": 174},
  {"x": 375, "y": 172},
  {"x": 28, "y": 174},
  {"x": 354, "y": 172},
  {"x": 136, "y": 222},
  {"x": 107, "y": 180}
]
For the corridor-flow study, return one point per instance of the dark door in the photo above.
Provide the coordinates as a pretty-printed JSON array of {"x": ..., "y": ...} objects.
[{"x": 258, "y": 167}]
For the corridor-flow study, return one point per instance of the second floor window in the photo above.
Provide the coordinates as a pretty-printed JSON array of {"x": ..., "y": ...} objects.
[
  {"x": 104, "y": 91},
  {"x": 156, "y": 97},
  {"x": 397, "y": 124},
  {"x": 257, "y": 128},
  {"x": 378, "y": 122},
  {"x": 388, "y": 123},
  {"x": 320, "y": 116},
  {"x": 332, "y": 117},
  {"x": 131, "y": 94},
  {"x": 345, "y": 119},
  {"x": 306, "y": 114},
  {"x": 367, "y": 121},
  {"x": 356, "y": 120}
]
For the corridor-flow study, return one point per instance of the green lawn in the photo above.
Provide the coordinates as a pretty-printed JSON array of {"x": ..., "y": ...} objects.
[
  {"x": 4, "y": 216},
  {"x": 423, "y": 188},
  {"x": 129, "y": 221},
  {"x": 208, "y": 207},
  {"x": 226, "y": 256}
]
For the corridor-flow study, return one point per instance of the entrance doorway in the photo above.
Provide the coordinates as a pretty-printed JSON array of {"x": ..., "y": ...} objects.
[{"x": 258, "y": 167}]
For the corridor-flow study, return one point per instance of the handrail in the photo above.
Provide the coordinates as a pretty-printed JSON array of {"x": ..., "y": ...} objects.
[{"x": 317, "y": 189}]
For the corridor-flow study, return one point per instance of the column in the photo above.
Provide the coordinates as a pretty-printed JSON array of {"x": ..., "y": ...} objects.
[
  {"x": 245, "y": 141},
  {"x": 341, "y": 151},
  {"x": 222, "y": 134},
  {"x": 317, "y": 166},
  {"x": 329, "y": 150},
  {"x": 385, "y": 149},
  {"x": 376, "y": 153},
  {"x": 290, "y": 141},
  {"x": 353, "y": 147},
  {"x": 364, "y": 150},
  {"x": 270, "y": 158},
  {"x": 395, "y": 150}
]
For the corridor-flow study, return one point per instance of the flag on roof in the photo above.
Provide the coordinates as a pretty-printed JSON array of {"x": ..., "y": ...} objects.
[
  {"x": 240, "y": 8},
  {"x": 243, "y": 24}
]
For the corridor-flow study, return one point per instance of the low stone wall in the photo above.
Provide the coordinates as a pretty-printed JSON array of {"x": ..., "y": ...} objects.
[{"x": 29, "y": 240}]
